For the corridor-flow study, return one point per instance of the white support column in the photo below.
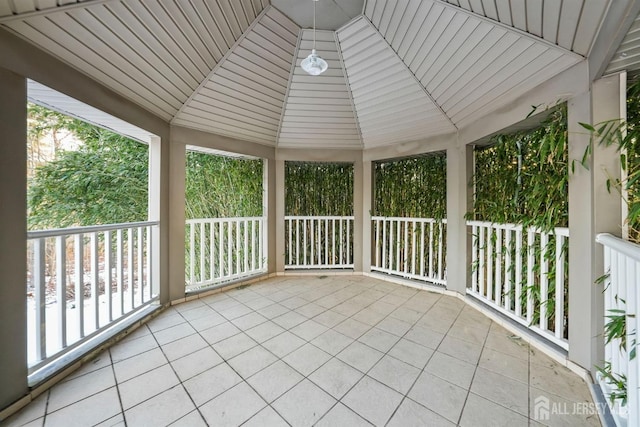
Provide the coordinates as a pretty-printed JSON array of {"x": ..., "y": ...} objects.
[
  {"x": 367, "y": 207},
  {"x": 459, "y": 170},
  {"x": 279, "y": 219},
  {"x": 592, "y": 210},
  {"x": 158, "y": 180},
  {"x": 177, "y": 172},
  {"x": 269, "y": 211},
  {"x": 13, "y": 247},
  {"x": 359, "y": 223}
]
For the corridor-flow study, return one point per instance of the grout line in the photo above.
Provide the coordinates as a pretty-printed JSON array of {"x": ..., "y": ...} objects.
[{"x": 113, "y": 371}]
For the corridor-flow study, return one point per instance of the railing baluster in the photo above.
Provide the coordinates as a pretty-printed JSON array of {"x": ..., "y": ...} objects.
[
  {"x": 341, "y": 243},
  {"x": 333, "y": 243},
  {"x": 413, "y": 247},
  {"x": 349, "y": 260},
  {"x": 298, "y": 242},
  {"x": 326, "y": 242},
  {"x": 474, "y": 258},
  {"x": 107, "y": 275},
  {"x": 221, "y": 263},
  {"x": 384, "y": 244},
  {"x": 431, "y": 275},
  {"x": 519, "y": 254},
  {"x": 304, "y": 242},
  {"x": 192, "y": 253},
  {"x": 440, "y": 242},
  {"x": 61, "y": 289},
  {"x": 530, "y": 273},
  {"x": 544, "y": 281},
  {"x": 498, "y": 284},
  {"x": 130, "y": 270},
  {"x": 237, "y": 247},
  {"x": 253, "y": 243},
  {"x": 290, "y": 245},
  {"x": 140, "y": 265},
  {"x": 39, "y": 286},
  {"x": 312, "y": 238},
  {"x": 120, "y": 269},
  {"x": 405, "y": 263},
  {"x": 201, "y": 227},
  {"x": 229, "y": 247},
  {"x": 212, "y": 250},
  {"x": 245, "y": 253},
  {"x": 397, "y": 268},
  {"x": 95, "y": 280},
  {"x": 422, "y": 227},
  {"x": 78, "y": 243},
  {"x": 481, "y": 263},
  {"x": 490, "y": 255},
  {"x": 507, "y": 269},
  {"x": 559, "y": 294}
]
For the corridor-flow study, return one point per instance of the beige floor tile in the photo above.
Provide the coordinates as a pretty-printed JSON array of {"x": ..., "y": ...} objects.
[
  {"x": 310, "y": 310},
  {"x": 395, "y": 374},
  {"x": 559, "y": 381},
  {"x": 340, "y": 415},
  {"x": 69, "y": 392},
  {"x": 272, "y": 311},
  {"x": 211, "y": 383},
  {"x": 373, "y": 401},
  {"x": 264, "y": 331},
  {"x": 147, "y": 385},
  {"x": 139, "y": 364},
  {"x": 283, "y": 344},
  {"x": 195, "y": 363},
  {"x": 369, "y": 316},
  {"x": 117, "y": 421},
  {"x": 198, "y": 312},
  {"x": 192, "y": 419},
  {"x": 411, "y": 353},
  {"x": 274, "y": 380},
  {"x": 203, "y": 323},
  {"x": 174, "y": 333},
  {"x": 406, "y": 315},
  {"x": 168, "y": 318},
  {"x": 336, "y": 377},
  {"x": 235, "y": 311},
  {"x": 294, "y": 302},
  {"x": 162, "y": 409},
  {"x": 266, "y": 418},
  {"x": 231, "y": 347},
  {"x": 412, "y": 414},
  {"x": 332, "y": 342},
  {"x": 307, "y": 359},
  {"x": 352, "y": 328},
  {"x": 379, "y": 339},
  {"x": 308, "y": 330},
  {"x": 504, "y": 364},
  {"x": 252, "y": 361},
  {"x": 330, "y": 318},
  {"x": 233, "y": 407},
  {"x": 289, "y": 319},
  {"x": 439, "y": 396},
  {"x": 304, "y": 404},
  {"x": 394, "y": 326},
  {"x": 425, "y": 337},
  {"x": 100, "y": 361},
  {"x": 249, "y": 320},
  {"x": 220, "y": 332},
  {"x": 87, "y": 412},
  {"x": 131, "y": 347},
  {"x": 504, "y": 391},
  {"x": 468, "y": 333},
  {"x": 451, "y": 369},
  {"x": 460, "y": 349},
  {"x": 563, "y": 412},
  {"x": 505, "y": 342},
  {"x": 33, "y": 411},
  {"x": 360, "y": 356},
  {"x": 479, "y": 412},
  {"x": 184, "y": 346}
]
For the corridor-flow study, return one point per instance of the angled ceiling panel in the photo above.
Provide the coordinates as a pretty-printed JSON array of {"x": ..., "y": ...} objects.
[
  {"x": 244, "y": 95},
  {"x": 466, "y": 63},
  {"x": 627, "y": 57},
  {"x": 391, "y": 104},
  {"x": 326, "y": 96},
  {"x": 570, "y": 24},
  {"x": 153, "y": 52}
]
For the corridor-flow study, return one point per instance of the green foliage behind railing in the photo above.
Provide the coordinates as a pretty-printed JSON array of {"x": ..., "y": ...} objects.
[
  {"x": 318, "y": 188},
  {"x": 522, "y": 178},
  {"x": 223, "y": 187},
  {"x": 413, "y": 187}
]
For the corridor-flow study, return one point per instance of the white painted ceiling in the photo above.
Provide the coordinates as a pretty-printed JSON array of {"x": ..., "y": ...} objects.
[{"x": 399, "y": 70}]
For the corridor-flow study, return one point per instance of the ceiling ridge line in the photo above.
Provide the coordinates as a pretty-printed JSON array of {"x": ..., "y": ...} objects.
[
  {"x": 221, "y": 61},
  {"x": 348, "y": 86},
  {"x": 509, "y": 28},
  {"x": 286, "y": 93},
  {"x": 63, "y": 8},
  {"x": 406, "y": 67}
]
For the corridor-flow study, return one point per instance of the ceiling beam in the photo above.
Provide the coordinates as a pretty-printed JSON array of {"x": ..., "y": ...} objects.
[
  {"x": 348, "y": 84},
  {"x": 64, "y": 8},
  {"x": 615, "y": 25}
]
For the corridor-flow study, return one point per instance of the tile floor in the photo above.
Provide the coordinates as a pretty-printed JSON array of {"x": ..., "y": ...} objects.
[{"x": 326, "y": 351}]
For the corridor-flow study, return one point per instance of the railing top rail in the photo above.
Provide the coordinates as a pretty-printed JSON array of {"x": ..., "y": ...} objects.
[
  {"x": 238, "y": 218},
  {"x": 560, "y": 231},
  {"x": 625, "y": 247},
  {"x": 39, "y": 234},
  {"x": 318, "y": 217},
  {"x": 407, "y": 218}
]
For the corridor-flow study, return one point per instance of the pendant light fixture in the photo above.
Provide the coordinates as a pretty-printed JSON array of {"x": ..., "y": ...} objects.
[{"x": 313, "y": 64}]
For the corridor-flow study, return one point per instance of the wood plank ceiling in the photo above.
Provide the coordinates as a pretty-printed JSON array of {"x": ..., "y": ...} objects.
[{"x": 402, "y": 71}]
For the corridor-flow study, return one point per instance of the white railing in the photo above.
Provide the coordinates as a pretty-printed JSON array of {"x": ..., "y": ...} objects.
[
  {"x": 622, "y": 268},
  {"x": 523, "y": 274},
  {"x": 318, "y": 242},
  {"x": 80, "y": 280},
  {"x": 223, "y": 249},
  {"x": 410, "y": 247}
]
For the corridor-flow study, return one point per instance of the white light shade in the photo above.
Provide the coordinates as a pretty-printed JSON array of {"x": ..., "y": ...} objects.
[{"x": 313, "y": 64}]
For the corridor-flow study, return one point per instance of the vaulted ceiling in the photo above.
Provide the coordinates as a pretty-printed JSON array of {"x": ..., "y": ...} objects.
[{"x": 399, "y": 70}]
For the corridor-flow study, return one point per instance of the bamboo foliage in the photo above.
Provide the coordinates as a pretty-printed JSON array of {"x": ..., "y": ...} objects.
[
  {"x": 317, "y": 189},
  {"x": 522, "y": 178}
]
